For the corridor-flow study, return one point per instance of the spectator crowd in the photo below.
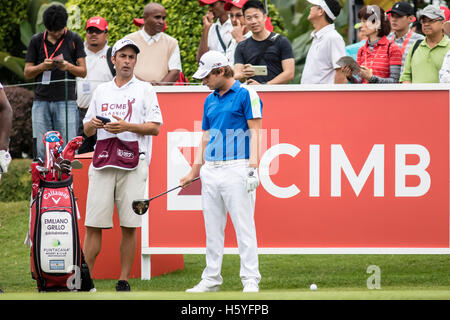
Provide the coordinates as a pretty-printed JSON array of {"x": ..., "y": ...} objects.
[{"x": 397, "y": 46}]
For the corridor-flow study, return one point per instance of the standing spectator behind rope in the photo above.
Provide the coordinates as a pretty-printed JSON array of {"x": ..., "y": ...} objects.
[
  {"x": 215, "y": 35},
  {"x": 380, "y": 60},
  {"x": 99, "y": 69},
  {"x": 159, "y": 59},
  {"x": 240, "y": 30},
  {"x": 263, "y": 48},
  {"x": 425, "y": 59},
  {"x": 327, "y": 46},
  {"x": 50, "y": 55},
  {"x": 402, "y": 15}
]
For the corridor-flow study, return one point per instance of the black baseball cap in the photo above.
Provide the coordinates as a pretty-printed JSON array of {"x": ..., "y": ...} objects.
[{"x": 402, "y": 9}]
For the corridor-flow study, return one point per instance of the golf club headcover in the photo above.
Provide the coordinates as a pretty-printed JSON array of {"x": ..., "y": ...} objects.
[
  {"x": 51, "y": 139},
  {"x": 74, "y": 144}
]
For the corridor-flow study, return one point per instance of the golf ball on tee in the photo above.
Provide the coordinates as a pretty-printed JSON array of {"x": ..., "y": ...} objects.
[{"x": 313, "y": 287}]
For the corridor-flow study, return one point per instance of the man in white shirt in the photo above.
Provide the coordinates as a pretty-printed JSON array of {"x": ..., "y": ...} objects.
[
  {"x": 119, "y": 170},
  {"x": 240, "y": 30},
  {"x": 327, "y": 45},
  {"x": 159, "y": 61},
  {"x": 98, "y": 71},
  {"x": 215, "y": 35}
]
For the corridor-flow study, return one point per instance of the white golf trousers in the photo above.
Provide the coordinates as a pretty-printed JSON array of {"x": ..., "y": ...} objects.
[{"x": 224, "y": 189}]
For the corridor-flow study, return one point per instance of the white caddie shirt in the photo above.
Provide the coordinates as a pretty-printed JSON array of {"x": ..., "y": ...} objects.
[
  {"x": 134, "y": 102},
  {"x": 97, "y": 72},
  {"x": 225, "y": 33},
  {"x": 326, "y": 49}
]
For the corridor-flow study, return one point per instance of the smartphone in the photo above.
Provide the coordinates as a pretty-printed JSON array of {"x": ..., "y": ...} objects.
[
  {"x": 260, "y": 70},
  {"x": 103, "y": 119}
]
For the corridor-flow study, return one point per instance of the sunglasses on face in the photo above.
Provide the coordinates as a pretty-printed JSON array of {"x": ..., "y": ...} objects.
[{"x": 95, "y": 30}]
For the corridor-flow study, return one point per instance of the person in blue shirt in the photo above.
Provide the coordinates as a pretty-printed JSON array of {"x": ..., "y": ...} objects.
[{"x": 227, "y": 161}]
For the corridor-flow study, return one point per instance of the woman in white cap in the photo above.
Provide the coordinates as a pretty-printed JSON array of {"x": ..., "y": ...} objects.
[{"x": 227, "y": 162}]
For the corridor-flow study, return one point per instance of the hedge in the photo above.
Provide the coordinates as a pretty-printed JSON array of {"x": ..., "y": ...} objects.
[
  {"x": 184, "y": 22},
  {"x": 21, "y": 136},
  {"x": 12, "y": 13}
]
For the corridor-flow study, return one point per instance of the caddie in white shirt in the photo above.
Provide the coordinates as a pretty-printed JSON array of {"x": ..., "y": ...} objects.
[
  {"x": 129, "y": 116},
  {"x": 327, "y": 46}
]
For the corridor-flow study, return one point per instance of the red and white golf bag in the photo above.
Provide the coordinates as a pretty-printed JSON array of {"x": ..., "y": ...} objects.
[{"x": 57, "y": 261}]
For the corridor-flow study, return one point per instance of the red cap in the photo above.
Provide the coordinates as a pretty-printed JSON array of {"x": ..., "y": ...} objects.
[
  {"x": 206, "y": 2},
  {"x": 446, "y": 12},
  {"x": 97, "y": 22},
  {"x": 236, "y": 3},
  {"x": 138, "y": 22},
  {"x": 269, "y": 25}
]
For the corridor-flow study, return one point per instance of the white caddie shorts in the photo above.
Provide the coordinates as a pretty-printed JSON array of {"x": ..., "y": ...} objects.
[{"x": 110, "y": 185}]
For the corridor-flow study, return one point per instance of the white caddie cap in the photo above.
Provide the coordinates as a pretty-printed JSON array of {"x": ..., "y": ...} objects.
[
  {"x": 209, "y": 61},
  {"x": 122, "y": 43},
  {"x": 324, "y": 6}
]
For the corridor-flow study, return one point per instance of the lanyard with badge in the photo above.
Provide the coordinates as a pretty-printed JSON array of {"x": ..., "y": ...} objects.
[
  {"x": 405, "y": 43},
  {"x": 46, "y": 75}
]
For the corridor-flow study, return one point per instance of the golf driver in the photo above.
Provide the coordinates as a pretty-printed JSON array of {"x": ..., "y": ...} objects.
[{"x": 140, "y": 206}]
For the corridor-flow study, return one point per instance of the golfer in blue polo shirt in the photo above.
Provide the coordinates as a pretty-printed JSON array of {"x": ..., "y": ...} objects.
[{"x": 227, "y": 161}]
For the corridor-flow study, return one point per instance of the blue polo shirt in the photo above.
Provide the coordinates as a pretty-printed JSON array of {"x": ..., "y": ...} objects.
[{"x": 226, "y": 119}]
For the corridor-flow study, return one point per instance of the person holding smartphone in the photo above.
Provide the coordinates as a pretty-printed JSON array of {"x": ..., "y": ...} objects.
[
  {"x": 263, "y": 48},
  {"x": 51, "y": 56},
  {"x": 125, "y": 114}
]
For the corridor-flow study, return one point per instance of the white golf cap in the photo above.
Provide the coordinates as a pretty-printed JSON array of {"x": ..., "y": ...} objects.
[
  {"x": 122, "y": 43},
  {"x": 324, "y": 6},
  {"x": 209, "y": 61}
]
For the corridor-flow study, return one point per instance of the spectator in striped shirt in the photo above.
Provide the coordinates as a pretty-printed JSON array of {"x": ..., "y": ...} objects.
[
  {"x": 402, "y": 15},
  {"x": 379, "y": 60}
]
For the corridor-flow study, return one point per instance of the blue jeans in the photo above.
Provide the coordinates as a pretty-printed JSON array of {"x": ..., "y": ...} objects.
[{"x": 51, "y": 115}]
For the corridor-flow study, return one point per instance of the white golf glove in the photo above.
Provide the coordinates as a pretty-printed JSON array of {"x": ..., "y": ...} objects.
[
  {"x": 252, "y": 179},
  {"x": 5, "y": 160}
]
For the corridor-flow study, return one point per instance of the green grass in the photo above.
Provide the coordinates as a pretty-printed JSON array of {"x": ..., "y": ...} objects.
[{"x": 283, "y": 276}]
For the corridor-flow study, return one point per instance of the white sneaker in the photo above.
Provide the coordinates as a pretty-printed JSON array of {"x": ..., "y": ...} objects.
[
  {"x": 202, "y": 287},
  {"x": 251, "y": 286}
]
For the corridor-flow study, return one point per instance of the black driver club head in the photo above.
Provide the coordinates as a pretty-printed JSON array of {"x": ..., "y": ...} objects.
[{"x": 140, "y": 207}]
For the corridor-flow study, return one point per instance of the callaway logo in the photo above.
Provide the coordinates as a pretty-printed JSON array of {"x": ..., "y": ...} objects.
[
  {"x": 56, "y": 201},
  {"x": 52, "y": 193},
  {"x": 104, "y": 154},
  {"x": 51, "y": 138}
]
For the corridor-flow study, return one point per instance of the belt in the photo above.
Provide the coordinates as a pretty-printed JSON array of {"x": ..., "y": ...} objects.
[{"x": 225, "y": 162}]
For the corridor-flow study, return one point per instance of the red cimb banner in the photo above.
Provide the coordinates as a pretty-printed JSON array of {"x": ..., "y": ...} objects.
[{"x": 351, "y": 167}]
